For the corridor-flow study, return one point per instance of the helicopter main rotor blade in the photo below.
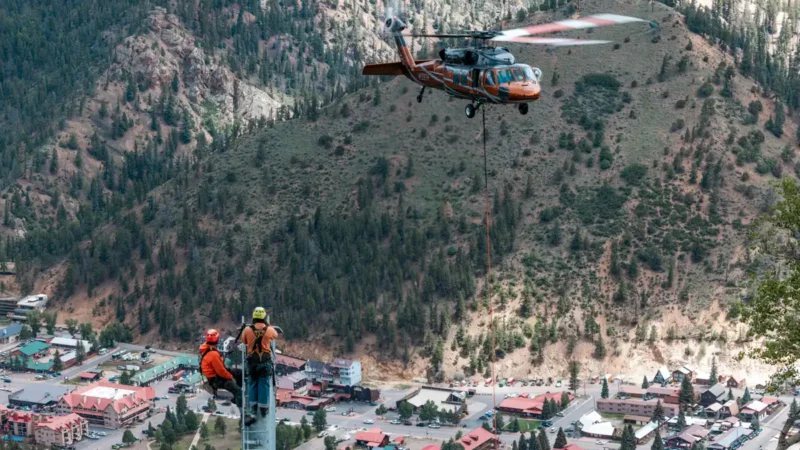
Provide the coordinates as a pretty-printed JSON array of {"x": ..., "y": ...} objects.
[
  {"x": 555, "y": 42},
  {"x": 457, "y": 35},
  {"x": 598, "y": 20}
]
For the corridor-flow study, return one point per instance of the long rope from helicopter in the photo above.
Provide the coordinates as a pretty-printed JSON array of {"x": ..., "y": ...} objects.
[{"x": 489, "y": 269}]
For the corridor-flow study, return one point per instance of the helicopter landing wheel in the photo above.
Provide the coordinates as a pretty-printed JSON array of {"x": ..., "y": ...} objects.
[
  {"x": 470, "y": 110},
  {"x": 523, "y": 108}
]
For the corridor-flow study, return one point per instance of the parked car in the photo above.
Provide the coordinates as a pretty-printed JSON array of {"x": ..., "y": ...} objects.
[
  {"x": 369, "y": 421},
  {"x": 408, "y": 423},
  {"x": 553, "y": 430},
  {"x": 331, "y": 409},
  {"x": 599, "y": 442},
  {"x": 559, "y": 414},
  {"x": 395, "y": 422},
  {"x": 420, "y": 424},
  {"x": 220, "y": 413},
  {"x": 434, "y": 426}
]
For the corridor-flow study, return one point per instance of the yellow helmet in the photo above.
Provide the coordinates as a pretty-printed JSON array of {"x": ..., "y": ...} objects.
[{"x": 259, "y": 313}]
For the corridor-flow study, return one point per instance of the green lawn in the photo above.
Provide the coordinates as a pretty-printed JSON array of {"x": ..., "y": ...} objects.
[
  {"x": 612, "y": 416},
  {"x": 525, "y": 425},
  {"x": 232, "y": 439}
]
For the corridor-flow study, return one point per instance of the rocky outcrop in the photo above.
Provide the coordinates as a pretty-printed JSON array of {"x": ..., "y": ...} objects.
[{"x": 168, "y": 49}]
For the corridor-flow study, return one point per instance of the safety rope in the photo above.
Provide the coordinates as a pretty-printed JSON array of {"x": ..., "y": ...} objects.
[{"x": 489, "y": 271}]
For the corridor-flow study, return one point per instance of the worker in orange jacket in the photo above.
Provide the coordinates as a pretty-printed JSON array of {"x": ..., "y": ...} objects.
[
  {"x": 212, "y": 365},
  {"x": 257, "y": 339}
]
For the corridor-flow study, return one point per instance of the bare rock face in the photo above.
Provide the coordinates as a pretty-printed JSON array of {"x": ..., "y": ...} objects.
[{"x": 167, "y": 49}]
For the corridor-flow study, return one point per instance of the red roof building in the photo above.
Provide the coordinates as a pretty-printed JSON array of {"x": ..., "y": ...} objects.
[
  {"x": 61, "y": 431},
  {"x": 109, "y": 404},
  {"x": 479, "y": 439},
  {"x": 529, "y": 407},
  {"x": 568, "y": 447},
  {"x": 89, "y": 376},
  {"x": 372, "y": 438},
  {"x": 431, "y": 447}
]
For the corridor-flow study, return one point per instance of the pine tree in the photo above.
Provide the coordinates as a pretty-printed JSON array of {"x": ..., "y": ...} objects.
[
  {"x": 730, "y": 394},
  {"x": 713, "y": 377},
  {"x": 658, "y": 413},
  {"x": 604, "y": 390},
  {"x": 681, "y": 420},
  {"x": 746, "y": 397},
  {"x": 561, "y": 439},
  {"x": 564, "y": 400},
  {"x": 53, "y": 162},
  {"x": 574, "y": 370},
  {"x": 645, "y": 384},
  {"x": 755, "y": 423},
  {"x": 599, "y": 348},
  {"x": 628, "y": 439},
  {"x": 658, "y": 444},
  {"x": 533, "y": 442},
  {"x": 544, "y": 444},
  {"x": 686, "y": 395}
]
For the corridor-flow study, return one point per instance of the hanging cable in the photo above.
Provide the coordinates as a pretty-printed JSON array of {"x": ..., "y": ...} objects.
[{"x": 489, "y": 269}]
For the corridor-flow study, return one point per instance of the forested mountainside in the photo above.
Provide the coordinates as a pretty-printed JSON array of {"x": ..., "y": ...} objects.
[{"x": 202, "y": 168}]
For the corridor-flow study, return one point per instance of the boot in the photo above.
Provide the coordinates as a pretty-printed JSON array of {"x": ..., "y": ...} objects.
[
  {"x": 249, "y": 420},
  {"x": 263, "y": 412},
  {"x": 254, "y": 408}
]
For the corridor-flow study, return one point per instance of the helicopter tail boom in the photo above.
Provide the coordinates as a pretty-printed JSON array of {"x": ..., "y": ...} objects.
[{"x": 385, "y": 69}]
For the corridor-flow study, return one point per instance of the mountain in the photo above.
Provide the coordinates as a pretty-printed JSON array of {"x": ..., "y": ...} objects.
[{"x": 618, "y": 204}]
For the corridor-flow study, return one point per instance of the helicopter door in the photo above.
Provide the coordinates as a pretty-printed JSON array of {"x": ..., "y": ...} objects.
[{"x": 476, "y": 76}]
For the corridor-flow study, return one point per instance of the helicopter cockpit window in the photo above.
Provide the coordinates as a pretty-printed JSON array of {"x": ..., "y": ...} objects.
[
  {"x": 490, "y": 78},
  {"x": 504, "y": 76},
  {"x": 529, "y": 74},
  {"x": 518, "y": 75}
]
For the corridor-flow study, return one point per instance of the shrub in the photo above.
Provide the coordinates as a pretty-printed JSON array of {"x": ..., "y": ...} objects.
[
  {"x": 325, "y": 141},
  {"x": 677, "y": 125},
  {"x": 680, "y": 104},
  {"x": 634, "y": 174},
  {"x": 338, "y": 151},
  {"x": 558, "y": 94},
  {"x": 705, "y": 90}
]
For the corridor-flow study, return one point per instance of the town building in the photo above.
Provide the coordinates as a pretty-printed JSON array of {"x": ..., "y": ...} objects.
[
  {"x": 568, "y": 447},
  {"x": 714, "y": 394},
  {"x": 603, "y": 430},
  {"x": 643, "y": 434},
  {"x": 756, "y": 408},
  {"x": 344, "y": 372},
  {"x": 10, "y": 334},
  {"x": 673, "y": 421},
  {"x": 589, "y": 419},
  {"x": 60, "y": 431},
  {"x": 372, "y": 438},
  {"x": 683, "y": 372},
  {"x": 479, "y": 439},
  {"x": 729, "y": 408},
  {"x": 8, "y": 305},
  {"x": 33, "y": 302},
  {"x": 38, "y": 396},
  {"x": 730, "y": 438},
  {"x": 632, "y": 391},
  {"x": 662, "y": 376},
  {"x": 296, "y": 381},
  {"x": 737, "y": 381},
  {"x": 108, "y": 404},
  {"x": 666, "y": 394},
  {"x": 285, "y": 364},
  {"x": 635, "y": 406},
  {"x": 713, "y": 410},
  {"x": 34, "y": 349},
  {"x": 164, "y": 370},
  {"x": 688, "y": 437},
  {"x": 445, "y": 399},
  {"x": 70, "y": 344},
  {"x": 314, "y": 370},
  {"x": 90, "y": 375},
  {"x": 704, "y": 379},
  {"x": 529, "y": 407},
  {"x": 636, "y": 420}
]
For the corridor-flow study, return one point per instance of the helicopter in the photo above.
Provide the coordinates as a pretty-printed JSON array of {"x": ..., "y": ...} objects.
[{"x": 484, "y": 73}]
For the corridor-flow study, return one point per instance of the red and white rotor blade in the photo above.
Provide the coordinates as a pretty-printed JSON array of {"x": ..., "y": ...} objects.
[
  {"x": 555, "y": 42},
  {"x": 598, "y": 20}
]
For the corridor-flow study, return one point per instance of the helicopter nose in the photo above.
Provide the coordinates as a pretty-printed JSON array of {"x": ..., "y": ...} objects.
[{"x": 533, "y": 91}]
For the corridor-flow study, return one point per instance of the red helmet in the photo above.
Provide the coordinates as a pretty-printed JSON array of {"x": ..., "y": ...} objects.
[{"x": 212, "y": 336}]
